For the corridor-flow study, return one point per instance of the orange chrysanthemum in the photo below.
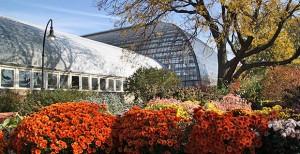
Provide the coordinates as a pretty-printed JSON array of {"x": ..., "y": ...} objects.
[
  {"x": 226, "y": 133},
  {"x": 140, "y": 129},
  {"x": 67, "y": 127}
]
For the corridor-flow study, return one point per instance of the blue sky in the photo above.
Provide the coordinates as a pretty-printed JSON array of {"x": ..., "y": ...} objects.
[
  {"x": 77, "y": 17},
  {"x": 72, "y": 16}
]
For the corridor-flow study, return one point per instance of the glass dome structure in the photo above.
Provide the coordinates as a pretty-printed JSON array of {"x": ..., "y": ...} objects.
[{"x": 191, "y": 59}]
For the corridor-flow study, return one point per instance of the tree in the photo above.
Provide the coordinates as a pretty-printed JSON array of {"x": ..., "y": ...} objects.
[
  {"x": 149, "y": 83},
  {"x": 247, "y": 28}
]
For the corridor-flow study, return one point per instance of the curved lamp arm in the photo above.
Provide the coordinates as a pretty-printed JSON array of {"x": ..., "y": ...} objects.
[{"x": 51, "y": 34}]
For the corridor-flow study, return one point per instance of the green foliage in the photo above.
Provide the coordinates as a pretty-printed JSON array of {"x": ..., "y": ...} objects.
[
  {"x": 250, "y": 89},
  {"x": 34, "y": 101},
  {"x": 115, "y": 102},
  {"x": 197, "y": 94},
  {"x": 11, "y": 123},
  {"x": 147, "y": 84},
  {"x": 38, "y": 99},
  {"x": 46, "y": 98},
  {"x": 9, "y": 101}
]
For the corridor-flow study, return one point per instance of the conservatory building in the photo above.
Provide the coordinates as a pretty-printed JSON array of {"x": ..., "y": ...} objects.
[
  {"x": 191, "y": 59},
  {"x": 71, "y": 62}
]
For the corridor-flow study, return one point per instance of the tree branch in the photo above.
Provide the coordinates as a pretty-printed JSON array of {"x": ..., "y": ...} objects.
[{"x": 245, "y": 67}]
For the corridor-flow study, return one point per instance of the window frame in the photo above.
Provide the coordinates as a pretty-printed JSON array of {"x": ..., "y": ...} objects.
[
  {"x": 68, "y": 80},
  {"x": 98, "y": 83},
  {"x": 30, "y": 76},
  {"x": 57, "y": 80},
  {"x": 88, "y": 84},
  {"x": 14, "y": 75},
  {"x": 79, "y": 81}
]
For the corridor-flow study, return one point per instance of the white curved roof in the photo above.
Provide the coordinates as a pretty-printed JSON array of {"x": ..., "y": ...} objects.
[{"x": 21, "y": 44}]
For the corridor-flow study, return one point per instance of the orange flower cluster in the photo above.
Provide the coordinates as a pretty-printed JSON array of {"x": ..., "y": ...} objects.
[
  {"x": 141, "y": 130},
  {"x": 65, "y": 128},
  {"x": 226, "y": 134},
  {"x": 2, "y": 142}
]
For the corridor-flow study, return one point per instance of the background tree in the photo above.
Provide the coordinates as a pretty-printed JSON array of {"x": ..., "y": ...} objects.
[
  {"x": 146, "y": 84},
  {"x": 250, "y": 29}
]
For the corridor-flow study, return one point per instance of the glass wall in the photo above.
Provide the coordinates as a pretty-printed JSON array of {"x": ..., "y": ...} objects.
[
  {"x": 37, "y": 79},
  {"x": 85, "y": 83},
  {"x": 7, "y": 78},
  {"x": 63, "y": 81},
  {"x": 167, "y": 44},
  {"x": 75, "y": 82},
  {"x": 24, "y": 78},
  {"x": 52, "y": 81}
]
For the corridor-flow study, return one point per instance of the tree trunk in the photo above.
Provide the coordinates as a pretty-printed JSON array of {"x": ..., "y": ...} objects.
[{"x": 222, "y": 68}]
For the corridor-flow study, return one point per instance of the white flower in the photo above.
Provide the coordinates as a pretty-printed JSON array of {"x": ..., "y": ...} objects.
[
  {"x": 283, "y": 135},
  {"x": 298, "y": 123}
]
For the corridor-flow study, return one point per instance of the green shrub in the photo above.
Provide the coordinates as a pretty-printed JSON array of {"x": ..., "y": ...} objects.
[
  {"x": 250, "y": 89},
  {"x": 38, "y": 99},
  {"x": 115, "y": 102},
  {"x": 10, "y": 101},
  {"x": 147, "y": 84},
  {"x": 197, "y": 94}
]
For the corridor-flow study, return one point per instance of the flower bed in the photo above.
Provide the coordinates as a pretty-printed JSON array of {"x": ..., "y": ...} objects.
[
  {"x": 159, "y": 128},
  {"x": 65, "y": 128},
  {"x": 225, "y": 133},
  {"x": 141, "y": 130},
  {"x": 2, "y": 142}
]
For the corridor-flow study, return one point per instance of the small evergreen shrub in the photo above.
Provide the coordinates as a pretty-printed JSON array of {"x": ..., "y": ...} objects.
[
  {"x": 147, "y": 84},
  {"x": 10, "y": 101}
]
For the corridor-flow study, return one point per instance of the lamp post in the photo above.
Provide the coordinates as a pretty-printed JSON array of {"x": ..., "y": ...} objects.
[{"x": 51, "y": 37}]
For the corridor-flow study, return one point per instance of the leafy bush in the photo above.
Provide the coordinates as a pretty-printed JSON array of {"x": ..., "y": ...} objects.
[
  {"x": 249, "y": 88},
  {"x": 149, "y": 131},
  {"x": 36, "y": 100},
  {"x": 48, "y": 97},
  {"x": 279, "y": 79},
  {"x": 10, "y": 101},
  {"x": 201, "y": 94},
  {"x": 115, "y": 102},
  {"x": 147, "y": 84},
  {"x": 65, "y": 128},
  {"x": 225, "y": 133}
]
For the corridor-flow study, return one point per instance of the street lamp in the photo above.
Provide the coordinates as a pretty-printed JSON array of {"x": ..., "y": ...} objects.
[{"x": 51, "y": 37}]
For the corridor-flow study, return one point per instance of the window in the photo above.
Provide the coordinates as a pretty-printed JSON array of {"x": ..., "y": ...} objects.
[
  {"x": 111, "y": 85},
  {"x": 118, "y": 85},
  {"x": 52, "y": 81},
  {"x": 85, "y": 83},
  {"x": 102, "y": 84},
  {"x": 63, "y": 81},
  {"x": 37, "y": 80},
  {"x": 75, "y": 82},
  {"x": 24, "y": 79},
  {"x": 95, "y": 84},
  {"x": 7, "y": 78}
]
